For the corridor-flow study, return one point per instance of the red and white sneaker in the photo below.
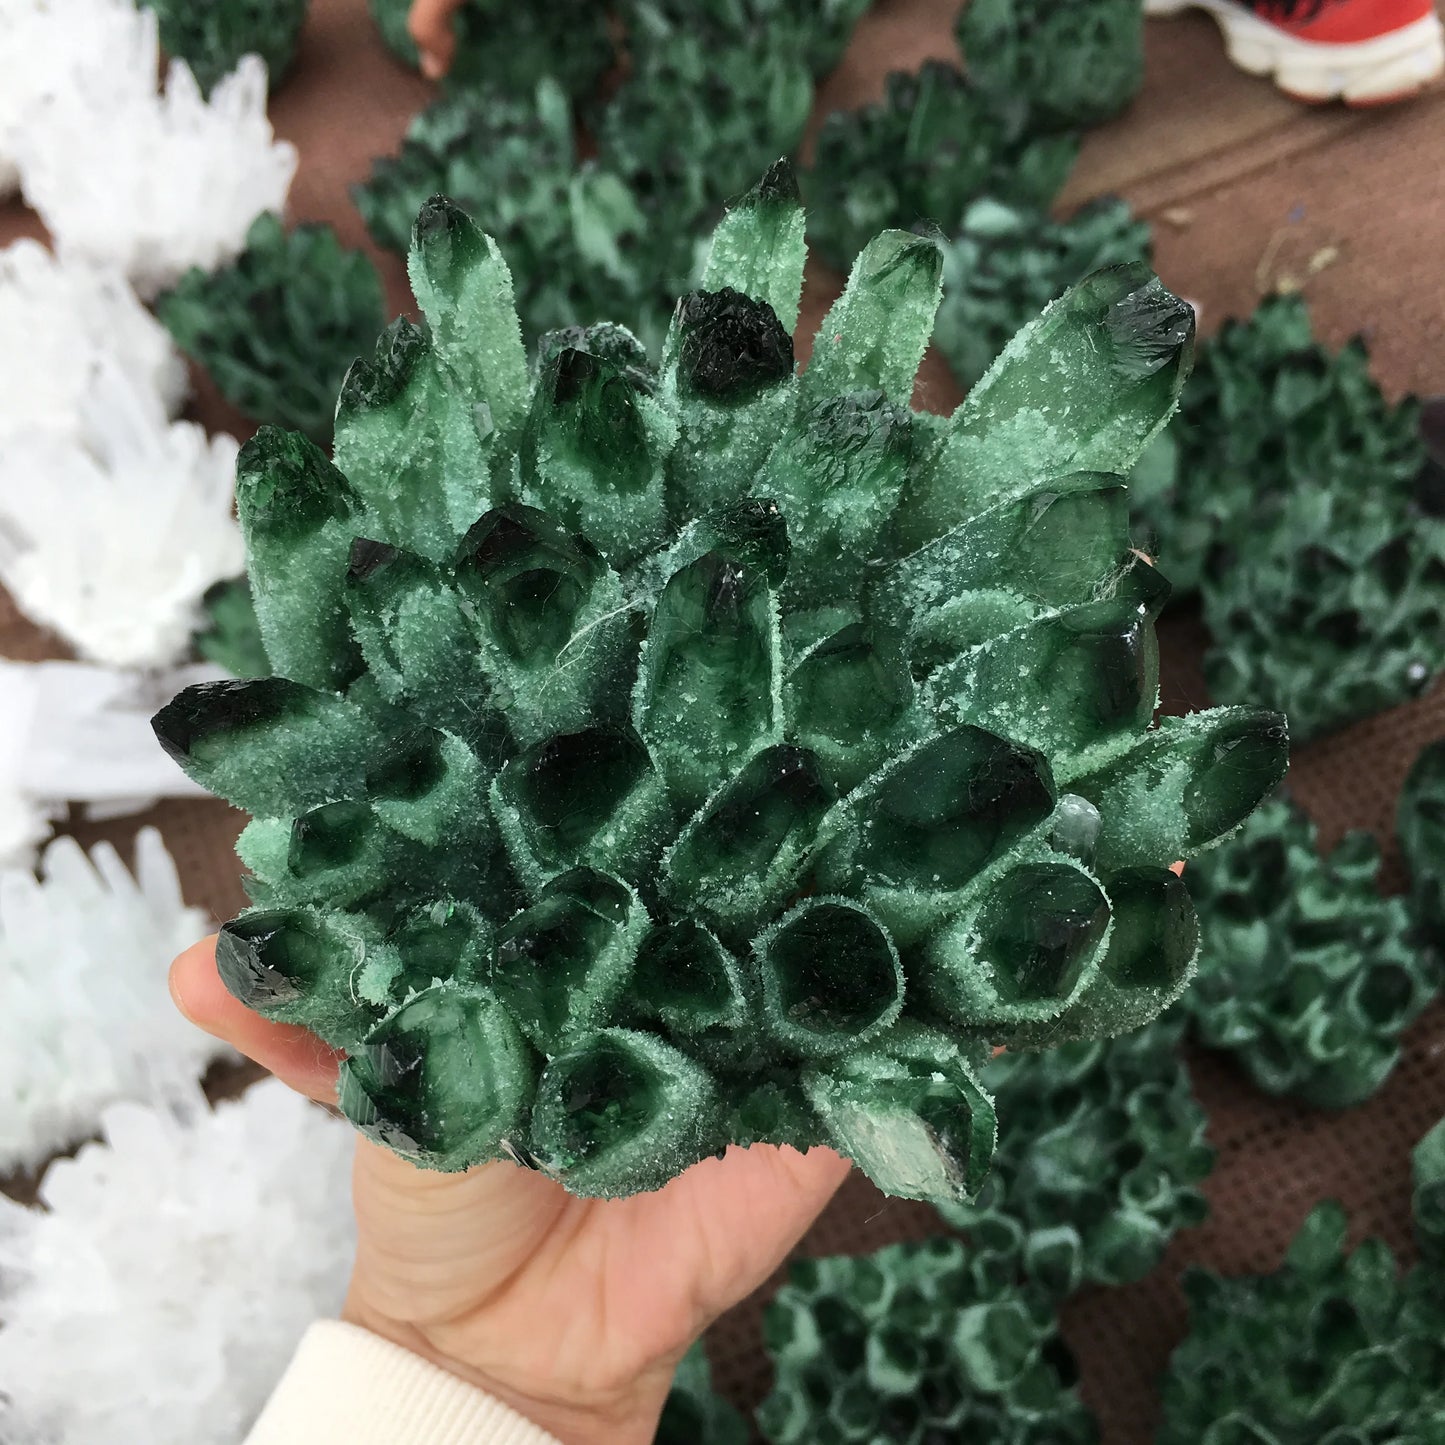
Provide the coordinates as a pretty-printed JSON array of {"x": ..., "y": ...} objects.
[{"x": 1364, "y": 52}]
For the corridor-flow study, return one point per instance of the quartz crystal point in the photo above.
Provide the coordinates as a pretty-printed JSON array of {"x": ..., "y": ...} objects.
[
  {"x": 74, "y": 731},
  {"x": 1101, "y": 1146},
  {"x": 150, "y": 182},
  {"x": 77, "y": 319},
  {"x": 920, "y": 1343},
  {"x": 1306, "y": 973},
  {"x": 1331, "y": 1346},
  {"x": 88, "y": 1020},
  {"x": 112, "y": 536},
  {"x": 776, "y": 751},
  {"x": 181, "y": 1260}
]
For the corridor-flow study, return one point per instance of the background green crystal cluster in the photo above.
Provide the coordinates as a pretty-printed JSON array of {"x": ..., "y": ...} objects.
[
  {"x": 211, "y": 36},
  {"x": 1421, "y": 830},
  {"x": 1297, "y": 500},
  {"x": 921, "y": 1343},
  {"x": 1100, "y": 1149},
  {"x": 662, "y": 759},
  {"x": 1306, "y": 972},
  {"x": 279, "y": 327},
  {"x": 1335, "y": 1346}
]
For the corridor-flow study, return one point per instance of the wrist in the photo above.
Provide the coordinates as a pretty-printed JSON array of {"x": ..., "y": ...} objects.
[{"x": 624, "y": 1414}]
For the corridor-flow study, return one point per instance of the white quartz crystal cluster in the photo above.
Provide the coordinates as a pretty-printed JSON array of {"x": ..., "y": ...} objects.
[
  {"x": 111, "y": 536},
  {"x": 151, "y": 179},
  {"x": 158, "y": 1295},
  {"x": 88, "y": 1020},
  {"x": 74, "y": 731}
]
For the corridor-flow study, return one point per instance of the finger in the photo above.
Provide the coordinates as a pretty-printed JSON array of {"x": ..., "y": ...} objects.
[
  {"x": 296, "y": 1057},
  {"x": 430, "y": 25}
]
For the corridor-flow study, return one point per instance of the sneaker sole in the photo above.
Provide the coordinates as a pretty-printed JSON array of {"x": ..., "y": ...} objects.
[{"x": 1367, "y": 72}]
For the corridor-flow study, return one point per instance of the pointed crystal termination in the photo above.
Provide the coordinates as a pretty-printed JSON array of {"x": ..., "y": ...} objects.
[
  {"x": 1025, "y": 952},
  {"x": 759, "y": 247},
  {"x": 821, "y": 944},
  {"x": 270, "y": 745},
  {"x": 550, "y": 617},
  {"x": 1083, "y": 388},
  {"x": 743, "y": 853},
  {"x": 562, "y": 964},
  {"x": 613, "y": 1111},
  {"x": 298, "y": 516},
  {"x": 413, "y": 448},
  {"x": 708, "y": 689},
  {"x": 443, "y": 1081},
  {"x": 588, "y": 798}
]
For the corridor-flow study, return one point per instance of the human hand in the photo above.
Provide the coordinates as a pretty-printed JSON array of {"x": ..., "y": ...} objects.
[
  {"x": 430, "y": 25},
  {"x": 572, "y": 1311}
]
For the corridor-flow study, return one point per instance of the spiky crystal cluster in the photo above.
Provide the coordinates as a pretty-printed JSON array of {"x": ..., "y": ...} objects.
[
  {"x": 1072, "y": 64},
  {"x": 1331, "y": 1347},
  {"x": 212, "y": 37},
  {"x": 934, "y": 144},
  {"x": 179, "y": 1262},
  {"x": 1006, "y": 263},
  {"x": 1306, "y": 972},
  {"x": 1101, "y": 1147},
  {"x": 1304, "y": 499},
  {"x": 665, "y": 758},
  {"x": 921, "y": 1343},
  {"x": 87, "y": 1019},
  {"x": 1420, "y": 826},
  {"x": 278, "y": 327}
]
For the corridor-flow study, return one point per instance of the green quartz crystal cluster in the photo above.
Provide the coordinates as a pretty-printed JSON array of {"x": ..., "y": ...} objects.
[
  {"x": 1073, "y": 62},
  {"x": 1100, "y": 1149},
  {"x": 1420, "y": 826},
  {"x": 1301, "y": 505},
  {"x": 664, "y": 758},
  {"x": 921, "y": 1343},
  {"x": 230, "y": 636},
  {"x": 278, "y": 327},
  {"x": 694, "y": 1413},
  {"x": 211, "y": 36},
  {"x": 506, "y": 49},
  {"x": 1305, "y": 971},
  {"x": 1006, "y": 263},
  {"x": 933, "y": 145},
  {"x": 1428, "y": 1204},
  {"x": 1334, "y": 1348}
]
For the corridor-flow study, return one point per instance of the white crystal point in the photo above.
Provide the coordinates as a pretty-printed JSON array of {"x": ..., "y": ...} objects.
[
  {"x": 152, "y": 182},
  {"x": 88, "y": 1019},
  {"x": 71, "y": 731},
  {"x": 111, "y": 539},
  {"x": 159, "y": 1299},
  {"x": 65, "y": 319}
]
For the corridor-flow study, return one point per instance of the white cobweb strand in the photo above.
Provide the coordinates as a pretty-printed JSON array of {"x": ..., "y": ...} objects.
[
  {"x": 66, "y": 318},
  {"x": 88, "y": 1019},
  {"x": 154, "y": 183},
  {"x": 74, "y": 731},
  {"x": 160, "y": 1297},
  {"x": 112, "y": 538}
]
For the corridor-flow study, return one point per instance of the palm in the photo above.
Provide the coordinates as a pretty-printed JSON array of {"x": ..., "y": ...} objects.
[{"x": 472, "y": 1262}]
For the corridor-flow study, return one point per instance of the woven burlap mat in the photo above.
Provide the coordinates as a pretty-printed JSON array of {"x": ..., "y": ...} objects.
[{"x": 1248, "y": 191}]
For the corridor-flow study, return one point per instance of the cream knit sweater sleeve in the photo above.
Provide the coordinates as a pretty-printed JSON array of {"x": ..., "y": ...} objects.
[{"x": 347, "y": 1386}]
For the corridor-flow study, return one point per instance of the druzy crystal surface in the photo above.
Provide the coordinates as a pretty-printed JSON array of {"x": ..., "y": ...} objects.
[
  {"x": 1306, "y": 972},
  {"x": 921, "y": 1343},
  {"x": 212, "y": 37},
  {"x": 660, "y": 757},
  {"x": 279, "y": 327},
  {"x": 1100, "y": 1151},
  {"x": 1335, "y": 1345}
]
